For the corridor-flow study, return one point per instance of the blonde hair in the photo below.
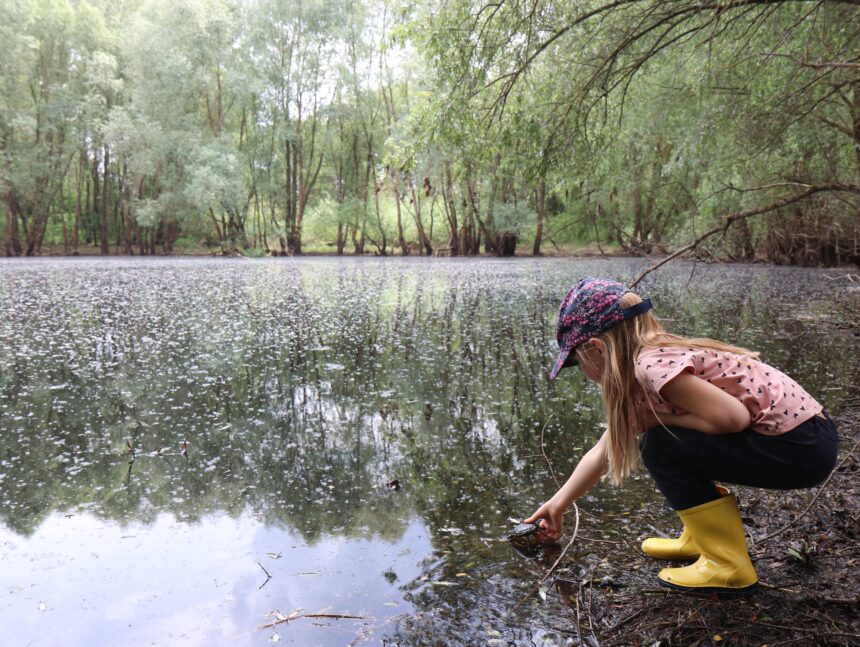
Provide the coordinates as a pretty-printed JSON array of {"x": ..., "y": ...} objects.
[{"x": 620, "y": 389}]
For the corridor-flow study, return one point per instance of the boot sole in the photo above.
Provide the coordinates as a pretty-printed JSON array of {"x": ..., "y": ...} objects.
[{"x": 719, "y": 590}]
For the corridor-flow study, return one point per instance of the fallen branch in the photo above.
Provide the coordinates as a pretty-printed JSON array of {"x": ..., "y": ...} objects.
[
  {"x": 611, "y": 629},
  {"x": 797, "y": 628},
  {"x": 742, "y": 215},
  {"x": 849, "y": 276},
  {"x": 811, "y": 598},
  {"x": 809, "y": 505},
  {"x": 295, "y": 615}
]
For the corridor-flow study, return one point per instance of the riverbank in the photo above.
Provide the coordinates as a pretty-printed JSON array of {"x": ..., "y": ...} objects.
[
  {"x": 805, "y": 545},
  {"x": 806, "y": 551},
  {"x": 548, "y": 251}
]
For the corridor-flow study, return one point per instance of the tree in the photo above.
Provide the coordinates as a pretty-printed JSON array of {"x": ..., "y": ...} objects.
[
  {"x": 774, "y": 69},
  {"x": 36, "y": 117}
]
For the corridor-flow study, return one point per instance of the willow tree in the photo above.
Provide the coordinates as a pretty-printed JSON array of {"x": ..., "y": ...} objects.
[
  {"x": 777, "y": 81},
  {"x": 37, "y": 115},
  {"x": 293, "y": 48}
]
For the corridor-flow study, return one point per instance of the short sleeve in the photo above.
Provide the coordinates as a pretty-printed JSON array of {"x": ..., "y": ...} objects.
[{"x": 656, "y": 367}]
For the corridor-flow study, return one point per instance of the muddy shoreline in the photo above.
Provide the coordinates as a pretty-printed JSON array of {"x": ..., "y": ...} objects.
[{"x": 805, "y": 545}]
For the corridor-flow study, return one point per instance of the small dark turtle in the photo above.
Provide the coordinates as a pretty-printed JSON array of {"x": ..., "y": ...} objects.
[{"x": 524, "y": 530}]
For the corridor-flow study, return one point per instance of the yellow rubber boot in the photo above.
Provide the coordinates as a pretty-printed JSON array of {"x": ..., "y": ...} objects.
[
  {"x": 682, "y": 547},
  {"x": 724, "y": 564}
]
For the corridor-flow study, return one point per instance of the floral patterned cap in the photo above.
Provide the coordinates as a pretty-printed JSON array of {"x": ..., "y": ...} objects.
[{"x": 591, "y": 307}]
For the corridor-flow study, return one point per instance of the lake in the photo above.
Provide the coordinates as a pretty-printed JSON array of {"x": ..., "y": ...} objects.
[{"x": 189, "y": 447}]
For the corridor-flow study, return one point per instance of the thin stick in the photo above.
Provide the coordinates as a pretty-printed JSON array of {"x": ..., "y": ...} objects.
[
  {"x": 850, "y": 277},
  {"x": 796, "y": 628},
  {"x": 810, "y": 598},
  {"x": 543, "y": 451},
  {"x": 590, "y": 596},
  {"x": 742, "y": 215},
  {"x": 268, "y": 576},
  {"x": 291, "y": 617},
  {"x": 578, "y": 619},
  {"x": 626, "y": 619},
  {"x": 820, "y": 490},
  {"x": 572, "y": 539},
  {"x": 549, "y": 462},
  {"x": 553, "y": 567}
]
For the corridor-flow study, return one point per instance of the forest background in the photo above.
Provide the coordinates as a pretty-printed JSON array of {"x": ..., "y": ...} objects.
[{"x": 443, "y": 127}]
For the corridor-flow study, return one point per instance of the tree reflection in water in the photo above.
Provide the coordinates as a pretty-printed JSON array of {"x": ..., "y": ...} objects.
[{"x": 303, "y": 387}]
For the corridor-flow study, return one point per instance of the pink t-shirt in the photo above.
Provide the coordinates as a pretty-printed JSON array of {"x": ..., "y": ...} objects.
[{"x": 776, "y": 403}]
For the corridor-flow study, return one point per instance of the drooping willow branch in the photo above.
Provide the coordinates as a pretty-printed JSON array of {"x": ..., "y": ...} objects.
[
  {"x": 665, "y": 24},
  {"x": 742, "y": 215}
]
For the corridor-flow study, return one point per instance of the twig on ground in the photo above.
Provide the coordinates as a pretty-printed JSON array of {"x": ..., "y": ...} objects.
[
  {"x": 590, "y": 615},
  {"x": 806, "y": 509},
  {"x": 810, "y": 598},
  {"x": 829, "y": 633},
  {"x": 850, "y": 277},
  {"x": 625, "y": 620}
]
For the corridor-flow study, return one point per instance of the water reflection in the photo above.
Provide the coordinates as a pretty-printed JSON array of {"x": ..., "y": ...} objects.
[
  {"x": 209, "y": 585},
  {"x": 277, "y": 399}
]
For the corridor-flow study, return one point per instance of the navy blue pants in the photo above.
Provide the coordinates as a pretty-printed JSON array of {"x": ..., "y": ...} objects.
[{"x": 685, "y": 463}]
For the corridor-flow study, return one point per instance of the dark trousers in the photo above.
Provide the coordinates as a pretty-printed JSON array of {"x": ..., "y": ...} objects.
[{"x": 685, "y": 463}]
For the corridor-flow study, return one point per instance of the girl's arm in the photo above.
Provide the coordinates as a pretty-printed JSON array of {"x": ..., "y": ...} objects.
[
  {"x": 709, "y": 409},
  {"x": 586, "y": 474}
]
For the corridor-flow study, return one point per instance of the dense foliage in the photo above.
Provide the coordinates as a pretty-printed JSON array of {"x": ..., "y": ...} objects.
[{"x": 446, "y": 127}]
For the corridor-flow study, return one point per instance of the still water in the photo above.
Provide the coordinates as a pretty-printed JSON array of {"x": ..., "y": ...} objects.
[{"x": 189, "y": 446}]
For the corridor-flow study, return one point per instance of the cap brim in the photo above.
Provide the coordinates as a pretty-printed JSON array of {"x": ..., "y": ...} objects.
[{"x": 563, "y": 360}]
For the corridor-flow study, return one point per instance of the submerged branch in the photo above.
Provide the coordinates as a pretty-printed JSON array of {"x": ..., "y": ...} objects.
[
  {"x": 295, "y": 615},
  {"x": 742, "y": 215}
]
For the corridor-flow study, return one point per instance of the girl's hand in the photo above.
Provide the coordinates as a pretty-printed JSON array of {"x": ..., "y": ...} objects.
[{"x": 552, "y": 520}]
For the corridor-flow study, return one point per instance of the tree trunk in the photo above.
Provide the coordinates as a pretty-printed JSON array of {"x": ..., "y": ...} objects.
[
  {"x": 105, "y": 243},
  {"x": 341, "y": 239},
  {"x": 94, "y": 173},
  {"x": 11, "y": 238},
  {"x": 416, "y": 204},
  {"x": 451, "y": 211},
  {"x": 855, "y": 118},
  {"x": 383, "y": 248},
  {"x": 369, "y": 171},
  {"x": 492, "y": 239},
  {"x": 294, "y": 243},
  {"x": 288, "y": 207},
  {"x": 117, "y": 224},
  {"x": 79, "y": 177},
  {"x": 404, "y": 248},
  {"x": 470, "y": 243},
  {"x": 541, "y": 213}
]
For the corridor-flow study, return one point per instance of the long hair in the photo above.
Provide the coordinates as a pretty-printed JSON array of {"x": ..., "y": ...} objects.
[{"x": 620, "y": 389}]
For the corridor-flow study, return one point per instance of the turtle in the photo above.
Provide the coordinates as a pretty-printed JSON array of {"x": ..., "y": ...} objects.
[{"x": 524, "y": 530}]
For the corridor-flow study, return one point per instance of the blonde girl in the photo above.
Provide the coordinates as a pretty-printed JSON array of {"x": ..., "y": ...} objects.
[{"x": 697, "y": 411}]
